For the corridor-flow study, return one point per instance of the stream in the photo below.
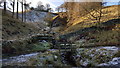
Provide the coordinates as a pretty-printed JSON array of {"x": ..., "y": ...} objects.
[{"x": 82, "y": 58}]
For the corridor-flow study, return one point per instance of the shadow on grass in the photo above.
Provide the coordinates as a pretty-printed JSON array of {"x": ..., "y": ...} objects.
[{"x": 105, "y": 26}]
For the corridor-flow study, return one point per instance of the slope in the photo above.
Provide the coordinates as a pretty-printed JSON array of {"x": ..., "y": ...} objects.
[
  {"x": 108, "y": 13},
  {"x": 14, "y": 29},
  {"x": 107, "y": 32}
]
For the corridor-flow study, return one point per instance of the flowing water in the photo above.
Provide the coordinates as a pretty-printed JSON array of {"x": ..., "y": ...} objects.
[{"x": 65, "y": 58}]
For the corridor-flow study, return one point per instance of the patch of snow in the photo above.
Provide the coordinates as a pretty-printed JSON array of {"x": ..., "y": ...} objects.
[
  {"x": 114, "y": 61},
  {"x": 44, "y": 41},
  {"x": 33, "y": 54},
  {"x": 52, "y": 49},
  {"x": 93, "y": 52},
  {"x": 103, "y": 64},
  {"x": 55, "y": 57},
  {"x": 111, "y": 48},
  {"x": 21, "y": 58}
]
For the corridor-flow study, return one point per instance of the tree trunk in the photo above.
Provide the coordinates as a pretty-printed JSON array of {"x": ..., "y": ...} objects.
[
  {"x": 17, "y": 9},
  {"x": 22, "y": 10},
  {"x": 5, "y": 6},
  {"x": 100, "y": 15},
  {"x": 25, "y": 12},
  {"x": 13, "y": 8}
]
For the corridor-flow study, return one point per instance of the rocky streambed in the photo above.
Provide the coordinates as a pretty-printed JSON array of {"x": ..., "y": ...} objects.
[{"x": 108, "y": 56}]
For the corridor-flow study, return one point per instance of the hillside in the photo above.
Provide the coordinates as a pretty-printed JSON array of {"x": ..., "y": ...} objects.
[
  {"x": 14, "y": 29},
  {"x": 108, "y": 13},
  {"x": 36, "y": 16},
  {"x": 104, "y": 33}
]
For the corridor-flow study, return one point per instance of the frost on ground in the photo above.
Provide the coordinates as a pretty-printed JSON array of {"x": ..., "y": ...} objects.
[
  {"x": 18, "y": 59},
  {"x": 35, "y": 59},
  {"x": 97, "y": 56},
  {"x": 35, "y": 16},
  {"x": 114, "y": 61}
]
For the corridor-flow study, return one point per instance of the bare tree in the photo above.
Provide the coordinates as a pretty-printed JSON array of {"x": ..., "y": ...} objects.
[
  {"x": 5, "y": 6},
  {"x": 17, "y": 9},
  {"x": 22, "y": 10},
  {"x": 39, "y": 5},
  {"x": 77, "y": 9},
  {"x": 31, "y": 8},
  {"x": 68, "y": 6},
  {"x": 100, "y": 14},
  {"x": 58, "y": 9},
  {"x": 47, "y": 7},
  {"x": 25, "y": 7},
  {"x": 93, "y": 6},
  {"x": 12, "y": 3},
  {"x": 22, "y": 6},
  {"x": 13, "y": 8},
  {"x": 50, "y": 10}
]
